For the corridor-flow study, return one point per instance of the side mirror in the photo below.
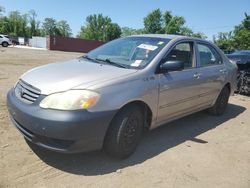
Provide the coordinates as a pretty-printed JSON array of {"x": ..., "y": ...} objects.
[{"x": 172, "y": 66}]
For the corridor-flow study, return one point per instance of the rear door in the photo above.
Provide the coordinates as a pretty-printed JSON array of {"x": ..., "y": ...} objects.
[{"x": 212, "y": 72}]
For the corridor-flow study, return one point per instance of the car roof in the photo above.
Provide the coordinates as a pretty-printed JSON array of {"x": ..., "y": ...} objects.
[
  {"x": 248, "y": 51},
  {"x": 242, "y": 51},
  {"x": 166, "y": 36}
]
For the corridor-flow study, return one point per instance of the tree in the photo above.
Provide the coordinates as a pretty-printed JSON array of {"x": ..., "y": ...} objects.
[
  {"x": 241, "y": 39},
  {"x": 153, "y": 22},
  {"x": 49, "y": 27},
  {"x": 156, "y": 22},
  {"x": 224, "y": 40},
  {"x": 4, "y": 22},
  {"x": 34, "y": 24},
  {"x": 186, "y": 31},
  {"x": 246, "y": 22},
  {"x": 173, "y": 24},
  {"x": 113, "y": 31},
  {"x": 26, "y": 25},
  {"x": 99, "y": 27},
  {"x": 126, "y": 31},
  {"x": 4, "y": 25},
  {"x": 20, "y": 25},
  {"x": 54, "y": 28},
  {"x": 24, "y": 30},
  {"x": 17, "y": 24},
  {"x": 238, "y": 39},
  {"x": 63, "y": 28}
]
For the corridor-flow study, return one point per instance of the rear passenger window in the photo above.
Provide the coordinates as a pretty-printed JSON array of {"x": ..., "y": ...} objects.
[
  {"x": 208, "y": 55},
  {"x": 182, "y": 52}
]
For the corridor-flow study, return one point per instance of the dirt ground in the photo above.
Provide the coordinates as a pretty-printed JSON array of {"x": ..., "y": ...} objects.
[{"x": 196, "y": 151}]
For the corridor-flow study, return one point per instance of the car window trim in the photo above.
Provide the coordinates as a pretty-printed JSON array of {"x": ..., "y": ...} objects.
[
  {"x": 198, "y": 54},
  {"x": 194, "y": 63}
]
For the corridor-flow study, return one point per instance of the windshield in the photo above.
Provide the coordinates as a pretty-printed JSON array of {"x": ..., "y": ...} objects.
[{"x": 132, "y": 52}]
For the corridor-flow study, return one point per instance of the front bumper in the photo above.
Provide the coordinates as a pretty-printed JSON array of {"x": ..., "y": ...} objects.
[{"x": 57, "y": 130}]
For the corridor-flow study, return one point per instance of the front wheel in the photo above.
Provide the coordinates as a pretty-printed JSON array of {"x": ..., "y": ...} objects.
[
  {"x": 124, "y": 132},
  {"x": 221, "y": 102},
  {"x": 5, "y": 44}
]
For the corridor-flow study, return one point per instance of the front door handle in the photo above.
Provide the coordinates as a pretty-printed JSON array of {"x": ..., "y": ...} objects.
[{"x": 197, "y": 75}]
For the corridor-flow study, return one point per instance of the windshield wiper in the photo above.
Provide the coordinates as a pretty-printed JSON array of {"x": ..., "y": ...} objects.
[
  {"x": 111, "y": 62},
  {"x": 90, "y": 59}
]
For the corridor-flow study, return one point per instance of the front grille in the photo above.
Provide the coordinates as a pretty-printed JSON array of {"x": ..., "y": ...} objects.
[{"x": 26, "y": 92}]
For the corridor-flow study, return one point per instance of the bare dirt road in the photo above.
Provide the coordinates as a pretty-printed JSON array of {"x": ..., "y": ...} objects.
[{"x": 196, "y": 151}]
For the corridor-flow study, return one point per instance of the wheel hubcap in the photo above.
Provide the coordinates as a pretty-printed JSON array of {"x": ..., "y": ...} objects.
[
  {"x": 223, "y": 100},
  {"x": 130, "y": 132}
]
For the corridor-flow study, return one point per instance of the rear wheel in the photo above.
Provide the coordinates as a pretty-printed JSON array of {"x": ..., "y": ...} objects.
[
  {"x": 5, "y": 44},
  {"x": 124, "y": 132},
  {"x": 221, "y": 102}
]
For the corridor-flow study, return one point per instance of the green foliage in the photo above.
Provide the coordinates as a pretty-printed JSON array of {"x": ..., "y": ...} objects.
[
  {"x": 49, "y": 27},
  {"x": 99, "y": 27},
  {"x": 173, "y": 24},
  {"x": 15, "y": 24},
  {"x": 153, "y": 22},
  {"x": 157, "y": 23},
  {"x": 190, "y": 33},
  {"x": 34, "y": 24},
  {"x": 246, "y": 22},
  {"x": 238, "y": 39},
  {"x": 126, "y": 31},
  {"x": 27, "y": 25},
  {"x": 19, "y": 25},
  {"x": 4, "y": 24},
  {"x": 113, "y": 31},
  {"x": 63, "y": 28},
  {"x": 241, "y": 39},
  {"x": 54, "y": 28},
  {"x": 224, "y": 41}
]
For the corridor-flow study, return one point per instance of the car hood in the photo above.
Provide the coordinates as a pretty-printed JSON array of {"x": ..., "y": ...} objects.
[
  {"x": 58, "y": 77},
  {"x": 239, "y": 59}
]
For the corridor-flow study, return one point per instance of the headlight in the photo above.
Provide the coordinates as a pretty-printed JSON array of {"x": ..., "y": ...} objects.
[{"x": 70, "y": 100}]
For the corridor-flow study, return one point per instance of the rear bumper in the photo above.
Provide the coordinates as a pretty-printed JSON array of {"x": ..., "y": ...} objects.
[{"x": 61, "y": 131}]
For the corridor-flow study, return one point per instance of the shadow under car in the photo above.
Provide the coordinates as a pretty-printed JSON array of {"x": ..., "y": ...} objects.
[{"x": 152, "y": 143}]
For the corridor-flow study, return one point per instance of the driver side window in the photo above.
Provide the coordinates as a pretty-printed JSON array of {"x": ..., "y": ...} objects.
[{"x": 182, "y": 52}]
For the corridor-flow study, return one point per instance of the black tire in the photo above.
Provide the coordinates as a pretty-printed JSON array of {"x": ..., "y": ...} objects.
[
  {"x": 124, "y": 132},
  {"x": 5, "y": 44},
  {"x": 221, "y": 102}
]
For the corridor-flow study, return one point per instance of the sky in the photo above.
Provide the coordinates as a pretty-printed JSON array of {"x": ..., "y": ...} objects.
[{"x": 207, "y": 16}]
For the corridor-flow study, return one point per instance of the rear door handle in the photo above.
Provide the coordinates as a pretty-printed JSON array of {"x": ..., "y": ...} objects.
[
  {"x": 197, "y": 75},
  {"x": 223, "y": 71}
]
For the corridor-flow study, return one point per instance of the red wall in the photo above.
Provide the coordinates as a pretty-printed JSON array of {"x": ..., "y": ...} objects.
[{"x": 72, "y": 44}]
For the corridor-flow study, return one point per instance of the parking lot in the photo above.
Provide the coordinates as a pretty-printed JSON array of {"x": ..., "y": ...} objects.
[{"x": 199, "y": 150}]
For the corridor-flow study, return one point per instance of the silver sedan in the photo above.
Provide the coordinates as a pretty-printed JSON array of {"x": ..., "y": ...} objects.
[{"x": 106, "y": 98}]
